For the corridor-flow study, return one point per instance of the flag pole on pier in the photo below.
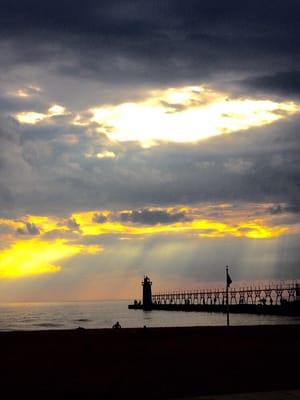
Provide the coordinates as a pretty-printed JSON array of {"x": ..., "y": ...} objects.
[{"x": 228, "y": 283}]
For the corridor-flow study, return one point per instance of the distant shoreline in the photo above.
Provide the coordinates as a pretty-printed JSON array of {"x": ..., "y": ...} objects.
[{"x": 151, "y": 363}]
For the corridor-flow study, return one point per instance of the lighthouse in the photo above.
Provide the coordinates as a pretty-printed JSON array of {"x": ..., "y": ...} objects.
[{"x": 147, "y": 293}]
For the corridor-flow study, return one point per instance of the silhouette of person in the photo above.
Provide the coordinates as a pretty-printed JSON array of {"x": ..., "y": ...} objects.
[{"x": 116, "y": 325}]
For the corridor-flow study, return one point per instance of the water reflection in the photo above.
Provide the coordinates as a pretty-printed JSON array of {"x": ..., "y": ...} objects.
[{"x": 103, "y": 314}]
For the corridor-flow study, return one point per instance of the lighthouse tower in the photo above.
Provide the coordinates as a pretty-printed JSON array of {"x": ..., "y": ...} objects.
[{"x": 147, "y": 293}]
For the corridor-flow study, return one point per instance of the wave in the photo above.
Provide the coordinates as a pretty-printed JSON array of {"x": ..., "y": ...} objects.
[
  {"x": 82, "y": 320},
  {"x": 48, "y": 325}
]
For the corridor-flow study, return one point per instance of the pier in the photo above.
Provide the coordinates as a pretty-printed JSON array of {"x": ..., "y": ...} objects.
[{"x": 277, "y": 299}]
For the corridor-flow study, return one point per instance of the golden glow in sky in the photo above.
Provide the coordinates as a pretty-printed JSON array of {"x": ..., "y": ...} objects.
[
  {"x": 34, "y": 256},
  {"x": 249, "y": 228},
  {"x": 186, "y": 114},
  {"x": 56, "y": 239}
]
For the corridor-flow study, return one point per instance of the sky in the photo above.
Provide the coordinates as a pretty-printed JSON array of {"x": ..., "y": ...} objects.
[{"x": 147, "y": 137}]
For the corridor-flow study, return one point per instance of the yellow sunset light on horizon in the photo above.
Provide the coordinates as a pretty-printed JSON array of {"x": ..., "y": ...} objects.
[
  {"x": 203, "y": 227},
  {"x": 25, "y": 256},
  {"x": 35, "y": 256}
]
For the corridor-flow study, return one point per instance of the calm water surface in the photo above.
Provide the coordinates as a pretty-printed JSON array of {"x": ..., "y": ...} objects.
[{"x": 103, "y": 314}]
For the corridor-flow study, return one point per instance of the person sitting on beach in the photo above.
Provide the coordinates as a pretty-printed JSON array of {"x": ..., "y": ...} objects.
[{"x": 116, "y": 325}]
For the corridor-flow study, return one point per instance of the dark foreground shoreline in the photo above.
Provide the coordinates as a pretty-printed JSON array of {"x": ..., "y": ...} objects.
[{"x": 152, "y": 363}]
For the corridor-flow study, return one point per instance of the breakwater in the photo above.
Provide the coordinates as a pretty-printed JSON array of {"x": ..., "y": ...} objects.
[
  {"x": 292, "y": 308},
  {"x": 272, "y": 299}
]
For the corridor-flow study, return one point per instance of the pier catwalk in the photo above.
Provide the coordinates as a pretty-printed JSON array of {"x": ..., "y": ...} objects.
[{"x": 272, "y": 299}]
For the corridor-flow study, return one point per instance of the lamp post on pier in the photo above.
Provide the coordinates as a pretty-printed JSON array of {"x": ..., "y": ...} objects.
[{"x": 228, "y": 283}]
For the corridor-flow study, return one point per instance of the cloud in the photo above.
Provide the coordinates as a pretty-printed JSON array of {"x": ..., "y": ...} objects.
[
  {"x": 238, "y": 166},
  {"x": 11, "y": 104},
  {"x": 106, "y": 154},
  {"x": 30, "y": 229},
  {"x": 43, "y": 173},
  {"x": 72, "y": 224},
  {"x": 152, "y": 217},
  {"x": 286, "y": 83},
  {"x": 26, "y": 91},
  {"x": 129, "y": 43},
  {"x": 219, "y": 221},
  {"x": 204, "y": 113},
  {"x": 285, "y": 208},
  {"x": 32, "y": 117},
  {"x": 99, "y": 218}
]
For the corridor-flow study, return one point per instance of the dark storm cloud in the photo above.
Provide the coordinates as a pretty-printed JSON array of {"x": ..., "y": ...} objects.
[
  {"x": 13, "y": 167},
  {"x": 73, "y": 224},
  {"x": 51, "y": 176},
  {"x": 100, "y": 218},
  {"x": 152, "y": 217},
  {"x": 150, "y": 41},
  {"x": 53, "y": 168},
  {"x": 285, "y": 208},
  {"x": 29, "y": 229},
  {"x": 285, "y": 83},
  {"x": 12, "y": 104}
]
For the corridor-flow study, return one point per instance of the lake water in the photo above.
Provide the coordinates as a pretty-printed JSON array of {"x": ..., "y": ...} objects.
[{"x": 103, "y": 314}]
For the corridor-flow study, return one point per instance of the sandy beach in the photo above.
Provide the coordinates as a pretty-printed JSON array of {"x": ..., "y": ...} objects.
[{"x": 150, "y": 363}]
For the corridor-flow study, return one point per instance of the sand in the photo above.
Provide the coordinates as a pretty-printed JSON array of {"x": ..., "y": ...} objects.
[
  {"x": 277, "y": 395},
  {"x": 156, "y": 363}
]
